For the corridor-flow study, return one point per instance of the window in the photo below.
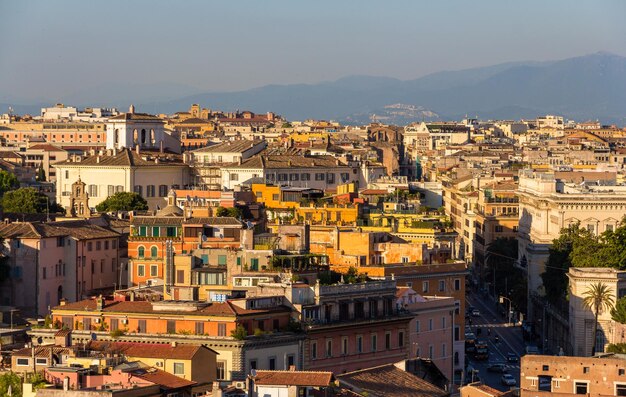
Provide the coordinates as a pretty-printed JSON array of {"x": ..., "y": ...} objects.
[
  {"x": 171, "y": 326},
  {"x": 93, "y": 190},
  {"x": 620, "y": 389},
  {"x": 430, "y": 324},
  {"x": 234, "y": 177},
  {"x": 98, "y": 245},
  {"x": 199, "y": 328},
  {"x": 387, "y": 341},
  {"x": 138, "y": 189},
  {"x": 89, "y": 246},
  {"x": 179, "y": 368},
  {"x": 162, "y": 190},
  {"x": 141, "y": 251},
  {"x": 141, "y": 270},
  {"x": 143, "y": 231},
  {"x": 580, "y": 387},
  {"x": 154, "y": 251},
  {"x": 305, "y": 177},
  {"x": 254, "y": 264},
  {"x": 221, "y": 329},
  {"x": 282, "y": 177},
  {"x": 313, "y": 350},
  {"x": 291, "y": 360},
  {"x": 457, "y": 332},
  {"x": 141, "y": 326},
  {"x": 344, "y": 345},
  {"x": 590, "y": 228},
  {"x": 400, "y": 338},
  {"x": 156, "y": 231},
  {"x": 180, "y": 276},
  {"x": 221, "y": 260},
  {"x": 499, "y": 229},
  {"x": 44, "y": 273},
  {"x": 431, "y": 352},
  {"x": 154, "y": 270},
  {"x": 272, "y": 363},
  {"x": 67, "y": 174},
  {"x": 374, "y": 342},
  {"x": 443, "y": 350},
  {"x": 23, "y": 362},
  {"x": 329, "y": 348},
  {"x": 319, "y": 176},
  {"x": 442, "y": 285},
  {"x": 585, "y": 369},
  {"x": 150, "y": 191},
  {"x": 294, "y": 177},
  {"x": 106, "y": 244},
  {"x": 41, "y": 361},
  {"x": 621, "y": 372},
  {"x": 114, "y": 324},
  {"x": 344, "y": 176},
  {"x": 457, "y": 284},
  {"x": 221, "y": 370},
  {"x": 253, "y": 364},
  {"x": 547, "y": 368},
  {"x": 443, "y": 322},
  {"x": 417, "y": 325},
  {"x": 359, "y": 344},
  {"x": 425, "y": 286},
  {"x": 405, "y": 259},
  {"x": 330, "y": 178},
  {"x": 275, "y": 197}
]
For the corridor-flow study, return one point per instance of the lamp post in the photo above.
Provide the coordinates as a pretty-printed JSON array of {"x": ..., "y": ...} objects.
[{"x": 502, "y": 298}]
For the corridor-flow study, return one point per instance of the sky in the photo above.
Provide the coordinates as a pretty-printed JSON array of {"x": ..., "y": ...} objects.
[{"x": 61, "y": 49}]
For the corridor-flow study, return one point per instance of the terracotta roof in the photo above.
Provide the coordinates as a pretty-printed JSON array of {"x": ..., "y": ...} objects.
[
  {"x": 193, "y": 120},
  {"x": 487, "y": 389},
  {"x": 290, "y": 161},
  {"x": 147, "y": 350},
  {"x": 293, "y": 378},
  {"x": 9, "y": 155},
  {"x": 110, "y": 306},
  {"x": 389, "y": 380},
  {"x": 161, "y": 378},
  {"x": 135, "y": 117},
  {"x": 41, "y": 351},
  {"x": 81, "y": 230},
  {"x": 156, "y": 220},
  {"x": 125, "y": 158},
  {"x": 46, "y": 147},
  {"x": 229, "y": 147}
]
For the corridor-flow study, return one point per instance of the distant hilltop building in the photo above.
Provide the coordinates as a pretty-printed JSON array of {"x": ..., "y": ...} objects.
[{"x": 60, "y": 112}]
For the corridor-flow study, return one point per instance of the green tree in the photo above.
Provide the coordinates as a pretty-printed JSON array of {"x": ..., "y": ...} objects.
[
  {"x": 618, "y": 313},
  {"x": 8, "y": 181},
  {"x": 41, "y": 174},
  {"x": 239, "y": 333},
  {"x": 598, "y": 297},
  {"x": 565, "y": 251},
  {"x": 27, "y": 200},
  {"x": 234, "y": 212},
  {"x": 123, "y": 201},
  {"x": 12, "y": 380},
  {"x": 618, "y": 348}
]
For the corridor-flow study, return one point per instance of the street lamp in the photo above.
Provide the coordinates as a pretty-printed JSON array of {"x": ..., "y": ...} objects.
[{"x": 502, "y": 298}]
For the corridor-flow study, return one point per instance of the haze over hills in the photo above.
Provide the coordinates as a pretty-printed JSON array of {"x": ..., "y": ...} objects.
[{"x": 586, "y": 87}]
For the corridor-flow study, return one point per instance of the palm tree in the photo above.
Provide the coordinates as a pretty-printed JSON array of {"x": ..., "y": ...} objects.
[{"x": 598, "y": 297}]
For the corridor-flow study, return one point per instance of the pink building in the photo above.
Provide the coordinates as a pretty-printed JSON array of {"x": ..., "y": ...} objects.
[
  {"x": 57, "y": 260},
  {"x": 431, "y": 334}
]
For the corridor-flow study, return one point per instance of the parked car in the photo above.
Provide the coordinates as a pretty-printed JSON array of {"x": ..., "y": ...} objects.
[
  {"x": 497, "y": 367},
  {"x": 508, "y": 380},
  {"x": 512, "y": 357}
]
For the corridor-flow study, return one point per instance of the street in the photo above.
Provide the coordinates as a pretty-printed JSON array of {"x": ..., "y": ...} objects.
[{"x": 510, "y": 341}]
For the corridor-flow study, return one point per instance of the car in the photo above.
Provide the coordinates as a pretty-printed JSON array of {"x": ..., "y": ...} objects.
[
  {"x": 497, "y": 367},
  {"x": 512, "y": 357},
  {"x": 508, "y": 380},
  {"x": 475, "y": 312}
]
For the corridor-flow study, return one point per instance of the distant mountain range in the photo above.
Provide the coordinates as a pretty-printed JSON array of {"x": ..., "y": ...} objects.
[{"x": 582, "y": 88}]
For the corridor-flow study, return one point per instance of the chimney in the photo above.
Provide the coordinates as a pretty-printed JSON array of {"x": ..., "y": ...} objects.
[
  {"x": 99, "y": 303},
  {"x": 292, "y": 368},
  {"x": 131, "y": 109},
  {"x": 132, "y": 296}
]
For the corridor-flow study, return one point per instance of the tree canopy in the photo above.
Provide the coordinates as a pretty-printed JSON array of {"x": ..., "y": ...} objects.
[
  {"x": 618, "y": 313},
  {"x": 27, "y": 200},
  {"x": 579, "y": 247},
  {"x": 235, "y": 212},
  {"x": 123, "y": 201},
  {"x": 8, "y": 181}
]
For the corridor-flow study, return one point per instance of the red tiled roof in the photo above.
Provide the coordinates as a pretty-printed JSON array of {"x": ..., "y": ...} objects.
[
  {"x": 162, "y": 378},
  {"x": 293, "y": 378},
  {"x": 147, "y": 350},
  {"x": 41, "y": 351},
  {"x": 213, "y": 309}
]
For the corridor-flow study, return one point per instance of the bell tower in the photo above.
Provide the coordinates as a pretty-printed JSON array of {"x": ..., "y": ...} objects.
[{"x": 79, "y": 201}]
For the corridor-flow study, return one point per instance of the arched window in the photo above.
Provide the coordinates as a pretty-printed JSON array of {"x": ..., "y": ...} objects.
[
  {"x": 135, "y": 137},
  {"x": 154, "y": 252},
  {"x": 152, "y": 137},
  {"x": 116, "y": 136},
  {"x": 143, "y": 136},
  {"x": 141, "y": 251}
]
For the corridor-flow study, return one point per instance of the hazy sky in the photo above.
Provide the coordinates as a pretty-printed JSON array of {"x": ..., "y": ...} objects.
[{"x": 54, "y": 48}]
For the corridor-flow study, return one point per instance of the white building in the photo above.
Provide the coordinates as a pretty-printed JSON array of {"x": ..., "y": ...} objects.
[
  {"x": 582, "y": 319},
  {"x": 547, "y": 205}
]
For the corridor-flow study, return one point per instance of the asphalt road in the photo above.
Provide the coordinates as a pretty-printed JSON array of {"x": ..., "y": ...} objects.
[{"x": 510, "y": 340}]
